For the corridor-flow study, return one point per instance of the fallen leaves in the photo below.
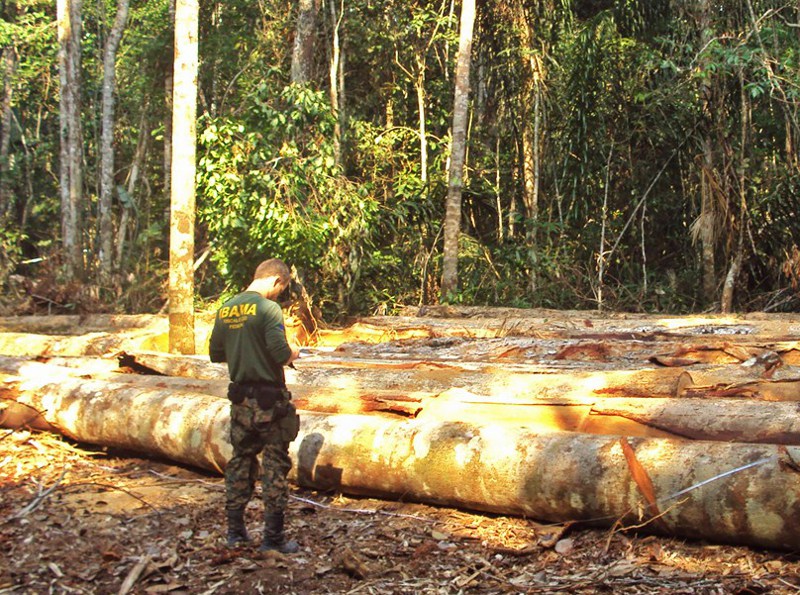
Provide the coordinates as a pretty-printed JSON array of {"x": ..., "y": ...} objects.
[{"x": 348, "y": 545}]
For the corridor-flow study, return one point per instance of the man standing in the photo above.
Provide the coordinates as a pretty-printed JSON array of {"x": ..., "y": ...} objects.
[{"x": 249, "y": 335}]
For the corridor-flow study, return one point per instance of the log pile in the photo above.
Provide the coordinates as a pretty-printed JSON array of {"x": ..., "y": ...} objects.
[{"x": 682, "y": 426}]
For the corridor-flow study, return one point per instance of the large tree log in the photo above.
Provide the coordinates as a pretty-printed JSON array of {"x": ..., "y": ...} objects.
[
  {"x": 563, "y": 338},
  {"x": 719, "y": 419},
  {"x": 509, "y": 381},
  {"x": 736, "y": 492},
  {"x": 560, "y": 476}
]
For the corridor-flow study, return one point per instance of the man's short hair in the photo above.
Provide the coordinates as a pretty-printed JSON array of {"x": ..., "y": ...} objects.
[{"x": 274, "y": 267}]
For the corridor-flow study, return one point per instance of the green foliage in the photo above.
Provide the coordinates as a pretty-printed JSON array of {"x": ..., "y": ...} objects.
[
  {"x": 268, "y": 186},
  {"x": 630, "y": 91},
  {"x": 10, "y": 251}
]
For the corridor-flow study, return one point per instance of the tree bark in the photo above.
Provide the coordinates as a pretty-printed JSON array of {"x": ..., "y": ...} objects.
[
  {"x": 304, "y": 37},
  {"x": 182, "y": 209},
  {"x": 701, "y": 416},
  {"x": 706, "y": 224},
  {"x": 737, "y": 493},
  {"x": 334, "y": 75},
  {"x": 129, "y": 205},
  {"x": 105, "y": 255},
  {"x": 494, "y": 380},
  {"x": 71, "y": 152},
  {"x": 9, "y": 70},
  {"x": 419, "y": 88},
  {"x": 169, "y": 89},
  {"x": 452, "y": 220},
  {"x": 737, "y": 256}
]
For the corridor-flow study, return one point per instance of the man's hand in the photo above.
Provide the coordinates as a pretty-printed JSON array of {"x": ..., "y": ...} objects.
[{"x": 295, "y": 354}]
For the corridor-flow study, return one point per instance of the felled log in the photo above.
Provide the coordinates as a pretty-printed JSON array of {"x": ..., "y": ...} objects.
[
  {"x": 723, "y": 419},
  {"x": 721, "y": 492},
  {"x": 19, "y": 372},
  {"x": 510, "y": 381},
  {"x": 720, "y": 419},
  {"x": 738, "y": 493}
]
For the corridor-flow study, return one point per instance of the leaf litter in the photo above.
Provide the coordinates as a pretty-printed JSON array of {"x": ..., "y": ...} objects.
[{"x": 78, "y": 519}]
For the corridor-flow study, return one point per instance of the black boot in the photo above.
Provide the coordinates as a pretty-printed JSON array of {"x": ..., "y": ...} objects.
[
  {"x": 237, "y": 533},
  {"x": 274, "y": 538}
]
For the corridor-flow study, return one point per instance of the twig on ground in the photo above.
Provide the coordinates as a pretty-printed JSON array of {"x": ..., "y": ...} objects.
[
  {"x": 617, "y": 527},
  {"x": 134, "y": 575},
  {"x": 36, "y": 502}
]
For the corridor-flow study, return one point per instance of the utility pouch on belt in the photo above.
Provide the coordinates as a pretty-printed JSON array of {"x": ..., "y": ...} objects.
[
  {"x": 289, "y": 423},
  {"x": 236, "y": 393}
]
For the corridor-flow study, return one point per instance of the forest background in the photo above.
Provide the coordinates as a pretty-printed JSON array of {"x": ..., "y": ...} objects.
[{"x": 619, "y": 154}]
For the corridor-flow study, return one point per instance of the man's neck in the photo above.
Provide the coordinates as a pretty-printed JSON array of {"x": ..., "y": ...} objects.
[{"x": 264, "y": 288}]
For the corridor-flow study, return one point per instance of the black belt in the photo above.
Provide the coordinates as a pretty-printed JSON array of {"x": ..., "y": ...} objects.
[{"x": 267, "y": 394}]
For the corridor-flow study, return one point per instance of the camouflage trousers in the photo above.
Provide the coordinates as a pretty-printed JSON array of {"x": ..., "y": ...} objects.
[{"x": 254, "y": 433}]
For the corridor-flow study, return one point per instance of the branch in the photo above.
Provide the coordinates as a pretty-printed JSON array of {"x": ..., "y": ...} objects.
[{"x": 36, "y": 502}]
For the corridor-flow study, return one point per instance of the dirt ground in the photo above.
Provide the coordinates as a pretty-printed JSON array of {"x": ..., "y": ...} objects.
[{"x": 81, "y": 519}]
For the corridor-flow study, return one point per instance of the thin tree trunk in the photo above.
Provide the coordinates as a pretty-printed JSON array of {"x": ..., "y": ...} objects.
[
  {"x": 500, "y": 227},
  {"x": 71, "y": 170},
  {"x": 9, "y": 70},
  {"x": 342, "y": 95},
  {"x": 726, "y": 303},
  {"x": 452, "y": 221},
  {"x": 419, "y": 87},
  {"x": 601, "y": 256},
  {"x": 105, "y": 255},
  {"x": 707, "y": 222},
  {"x": 27, "y": 166},
  {"x": 530, "y": 161},
  {"x": 133, "y": 178},
  {"x": 169, "y": 85},
  {"x": 303, "y": 52},
  {"x": 182, "y": 210},
  {"x": 336, "y": 22}
]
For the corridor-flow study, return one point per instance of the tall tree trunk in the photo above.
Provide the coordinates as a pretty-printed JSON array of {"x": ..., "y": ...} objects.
[
  {"x": 303, "y": 51},
  {"x": 129, "y": 204},
  {"x": 336, "y": 21},
  {"x": 419, "y": 87},
  {"x": 531, "y": 116},
  {"x": 169, "y": 84},
  {"x": 707, "y": 222},
  {"x": 71, "y": 170},
  {"x": 530, "y": 170},
  {"x": 107, "y": 143},
  {"x": 726, "y": 303},
  {"x": 9, "y": 69},
  {"x": 452, "y": 220},
  {"x": 182, "y": 210}
]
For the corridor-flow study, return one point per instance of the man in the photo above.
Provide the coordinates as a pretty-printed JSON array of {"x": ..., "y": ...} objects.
[{"x": 249, "y": 335}]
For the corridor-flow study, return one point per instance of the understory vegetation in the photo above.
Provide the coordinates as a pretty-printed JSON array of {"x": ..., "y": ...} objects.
[{"x": 622, "y": 154}]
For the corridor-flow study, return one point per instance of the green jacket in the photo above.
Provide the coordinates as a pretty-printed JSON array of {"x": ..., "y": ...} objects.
[{"x": 248, "y": 331}]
